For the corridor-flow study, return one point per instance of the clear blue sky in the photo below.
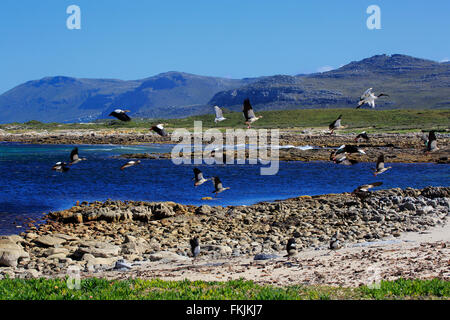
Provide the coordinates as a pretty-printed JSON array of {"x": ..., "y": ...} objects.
[{"x": 230, "y": 38}]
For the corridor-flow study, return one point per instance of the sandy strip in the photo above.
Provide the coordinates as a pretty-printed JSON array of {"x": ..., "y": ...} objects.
[{"x": 413, "y": 255}]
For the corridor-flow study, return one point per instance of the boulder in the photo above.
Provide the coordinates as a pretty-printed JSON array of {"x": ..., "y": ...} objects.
[
  {"x": 167, "y": 256},
  {"x": 10, "y": 253}
]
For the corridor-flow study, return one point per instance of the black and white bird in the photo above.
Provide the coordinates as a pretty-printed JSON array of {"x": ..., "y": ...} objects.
[
  {"x": 291, "y": 248},
  {"x": 336, "y": 124},
  {"x": 60, "y": 167},
  {"x": 344, "y": 161},
  {"x": 369, "y": 98},
  {"x": 347, "y": 149},
  {"x": 195, "y": 248},
  {"x": 219, "y": 114},
  {"x": 363, "y": 135},
  {"x": 130, "y": 164},
  {"x": 198, "y": 177},
  {"x": 249, "y": 115},
  {"x": 159, "y": 129},
  {"x": 366, "y": 187},
  {"x": 120, "y": 114},
  {"x": 218, "y": 187},
  {"x": 380, "y": 166},
  {"x": 74, "y": 158},
  {"x": 431, "y": 143},
  {"x": 335, "y": 243}
]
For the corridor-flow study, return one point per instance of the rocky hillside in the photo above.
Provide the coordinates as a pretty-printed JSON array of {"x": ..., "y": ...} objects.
[{"x": 410, "y": 82}]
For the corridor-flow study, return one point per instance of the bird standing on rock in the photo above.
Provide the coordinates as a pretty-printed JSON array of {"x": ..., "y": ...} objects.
[
  {"x": 431, "y": 142},
  {"x": 362, "y": 135},
  {"x": 195, "y": 248},
  {"x": 291, "y": 247},
  {"x": 335, "y": 244}
]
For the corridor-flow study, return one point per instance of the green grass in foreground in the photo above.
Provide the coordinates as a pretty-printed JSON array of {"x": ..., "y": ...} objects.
[
  {"x": 352, "y": 119},
  {"x": 137, "y": 289}
]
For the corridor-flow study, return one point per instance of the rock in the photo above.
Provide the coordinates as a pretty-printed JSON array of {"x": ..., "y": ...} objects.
[
  {"x": 90, "y": 259},
  {"x": 10, "y": 253},
  {"x": 167, "y": 256},
  {"x": 265, "y": 256},
  {"x": 53, "y": 251},
  {"x": 204, "y": 209},
  {"x": 97, "y": 249},
  {"x": 222, "y": 250},
  {"x": 49, "y": 241},
  {"x": 161, "y": 211}
]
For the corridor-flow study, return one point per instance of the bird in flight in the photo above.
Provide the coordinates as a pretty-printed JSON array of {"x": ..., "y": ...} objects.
[
  {"x": 218, "y": 187},
  {"x": 369, "y": 98},
  {"x": 380, "y": 166},
  {"x": 219, "y": 114},
  {"x": 74, "y": 158},
  {"x": 198, "y": 177},
  {"x": 60, "y": 167},
  {"x": 120, "y": 114},
  {"x": 346, "y": 149},
  {"x": 159, "y": 129},
  {"x": 336, "y": 124},
  {"x": 249, "y": 115},
  {"x": 366, "y": 187},
  {"x": 130, "y": 164}
]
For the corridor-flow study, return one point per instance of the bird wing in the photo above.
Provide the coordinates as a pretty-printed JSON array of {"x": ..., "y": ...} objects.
[
  {"x": 432, "y": 136},
  {"x": 217, "y": 183},
  {"x": 248, "y": 110},
  {"x": 380, "y": 162},
  {"x": 198, "y": 174},
  {"x": 74, "y": 154},
  {"x": 366, "y": 94},
  {"x": 218, "y": 111}
]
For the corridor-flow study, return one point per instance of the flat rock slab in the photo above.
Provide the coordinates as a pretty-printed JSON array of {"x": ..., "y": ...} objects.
[
  {"x": 98, "y": 249},
  {"x": 50, "y": 241},
  {"x": 265, "y": 256},
  {"x": 167, "y": 256}
]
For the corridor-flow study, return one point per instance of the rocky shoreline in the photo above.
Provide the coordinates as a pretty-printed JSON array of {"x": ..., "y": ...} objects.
[{"x": 102, "y": 238}]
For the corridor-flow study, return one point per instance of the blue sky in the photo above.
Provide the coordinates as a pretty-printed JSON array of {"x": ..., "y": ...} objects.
[{"x": 246, "y": 38}]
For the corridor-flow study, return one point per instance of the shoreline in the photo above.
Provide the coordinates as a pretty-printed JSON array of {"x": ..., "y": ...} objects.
[{"x": 153, "y": 239}]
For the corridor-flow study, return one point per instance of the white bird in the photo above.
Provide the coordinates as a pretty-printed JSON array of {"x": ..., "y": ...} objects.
[
  {"x": 120, "y": 114},
  {"x": 249, "y": 115},
  {"x": 369, "y": 97},
  {"x": 219, "y": 114},
  {"x": 130, "y": 164}
]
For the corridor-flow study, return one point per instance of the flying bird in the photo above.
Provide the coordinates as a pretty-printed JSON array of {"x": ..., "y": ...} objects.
[
  {"x": 362, "y": 135},
  {"x": 74, "y": 158},
  {"x": 291, "y": 248},
  {"x": 380, "y": 166},
  {"x": 60, "y": 167},
  {"x": 369, "y": 97},
  {"x": 249, "y": 115},
  {"x": 431, "y": 142},
  {"x": 199, "y": 179},
  {"x": 336, "y": 124},
  {"x": 130, "y": 164},
  {"x": 195, "y": 248},
  {"x": 347, "y": 149},
  {"x": 120, "y": 114},
  {"x": 218, "y": 187},
  {"x": 366, "y": 187},
  {"x": 159, "y": 129},
  {"x": 219, "y": 114},
  {"x": 344, "y": 161}
]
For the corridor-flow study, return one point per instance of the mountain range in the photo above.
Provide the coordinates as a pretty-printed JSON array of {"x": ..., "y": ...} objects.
[{"x": 410, "y": 83}]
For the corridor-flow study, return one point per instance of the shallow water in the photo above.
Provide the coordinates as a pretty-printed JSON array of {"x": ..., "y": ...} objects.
[{"x": 28, "y": 186}]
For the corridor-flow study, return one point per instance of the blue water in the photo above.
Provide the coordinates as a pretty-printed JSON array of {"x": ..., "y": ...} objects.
[{"x": 28, "y": 186}]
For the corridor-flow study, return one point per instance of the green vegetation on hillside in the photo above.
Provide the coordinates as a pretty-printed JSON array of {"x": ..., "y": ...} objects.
[
  {"x": 370, "y": 120},
  {"x": 138, "y": 289}
]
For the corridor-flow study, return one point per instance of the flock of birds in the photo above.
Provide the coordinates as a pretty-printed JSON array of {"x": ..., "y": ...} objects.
[{"x": 338, "y": 156}]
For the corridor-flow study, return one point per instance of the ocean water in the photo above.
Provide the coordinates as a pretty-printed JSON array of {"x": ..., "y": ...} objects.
[{"x": 28, "y": 186}]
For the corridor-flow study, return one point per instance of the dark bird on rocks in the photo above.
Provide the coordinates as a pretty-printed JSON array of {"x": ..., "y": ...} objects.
[
  {"x": 74, "y": 158},
  {"x": 218, "y": 187},
  {"x": 380, "y": 166},
  {"x": 369, "y": 97},
  {"x": 336, "y": 124},
  {"x": 130, "y": 164},
  {"x": 335, "y": 243},
  {"x": 198, "y": 177},
  {"x": 60, "y": 167},
  {"x": 347, "y": 149},
  {"x": 195, "y": 248},
  {"x": 249, "y": 115},
  {"x": 291, "y": 248},
  {"x": 362, "y": 135},
  {"x": 120, "y": 114},
  {"x": 159, "y": 129},
  {"x": 431, "y": 143}
]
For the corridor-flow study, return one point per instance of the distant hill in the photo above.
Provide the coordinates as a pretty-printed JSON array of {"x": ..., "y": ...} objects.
[
  {"x": 65, "y": 99},
  {"x": 410, "y": 82}
]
